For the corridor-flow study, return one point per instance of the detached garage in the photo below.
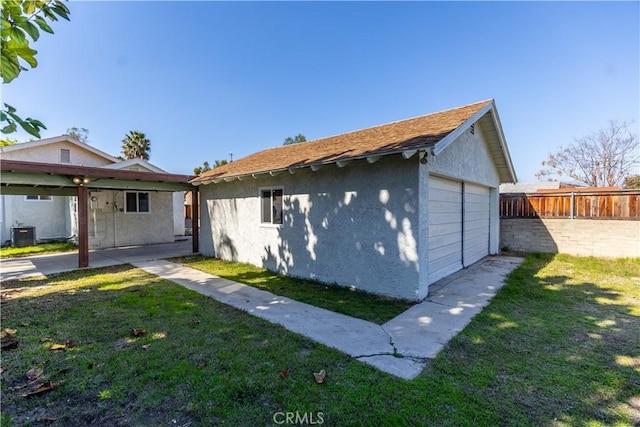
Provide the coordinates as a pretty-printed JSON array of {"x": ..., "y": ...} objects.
[{"x": 388, "y": 209}]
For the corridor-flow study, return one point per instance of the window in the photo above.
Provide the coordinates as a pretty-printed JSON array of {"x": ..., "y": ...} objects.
[
  {"x": 38, "y": 198},
  {"x": 271, "y": 206},
  {"x": 65, "y": 155},
  {"x": 136, "y": 202}
]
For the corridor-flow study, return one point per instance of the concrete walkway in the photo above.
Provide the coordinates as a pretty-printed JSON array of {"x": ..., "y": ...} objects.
[{"x": 401, "y": 347}]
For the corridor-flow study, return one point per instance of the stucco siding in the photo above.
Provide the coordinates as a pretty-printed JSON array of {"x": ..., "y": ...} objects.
[
  {"x": 355, "y": 226},
  {"x": 50, "y": 217},
  {"x": 467, "y": 159},
  {"x": 110, "y": 226},
  {"x": 50, "y": 153}
]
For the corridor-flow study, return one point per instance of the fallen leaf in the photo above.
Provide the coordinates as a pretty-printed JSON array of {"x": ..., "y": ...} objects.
[
  {"x": 71, "y": 344},
  {"x": 284, "y": 373},
  {"x": 24, "y": 324},
  {"x": 46, "y": 339},
  {"x": 35, "y": 373},
  {"x": 43, "y": 388},
  {"x": 146, "y": 346},
  {"x": 194, "y": 322},
  {"x": 137, "y": 332},
  {"x": 8, "y": 332},
  {"x": 319, "y": 377},
  {"x": 202, "y": 364},
  {"x": 57, "y": 346},
  {"x": 144, "y": 293}
]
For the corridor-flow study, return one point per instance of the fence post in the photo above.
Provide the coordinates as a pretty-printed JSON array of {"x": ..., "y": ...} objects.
[{"x": 572, "y": 204}]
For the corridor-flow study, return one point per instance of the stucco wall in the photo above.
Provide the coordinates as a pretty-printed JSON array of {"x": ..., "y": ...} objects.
[
  {"x": 467, "y": 158},
  {"x": 50, "y": 153},
  {"x": 354, "y": 226},
  {"x": 606, "y": 238},
  {"x": 50, "y": 217},
  {"x": 178, "y": 213},
  {"x": 109, "y": 226}
]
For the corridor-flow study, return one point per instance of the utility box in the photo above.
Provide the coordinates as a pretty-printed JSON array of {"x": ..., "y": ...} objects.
[{"x": 23, "y": 236}]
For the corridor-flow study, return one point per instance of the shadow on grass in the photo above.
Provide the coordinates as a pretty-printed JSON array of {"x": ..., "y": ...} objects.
[{"x": 554, "y": 348}]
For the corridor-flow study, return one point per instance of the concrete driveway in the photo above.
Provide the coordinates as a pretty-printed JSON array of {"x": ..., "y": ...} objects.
[{"x": 18, "y": 268}]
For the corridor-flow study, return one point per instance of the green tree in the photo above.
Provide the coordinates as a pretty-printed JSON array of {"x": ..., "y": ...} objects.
[
  {"x": 206, "y": 167},
  {"x": 81, "y": 134},
  {"x": 602, "y": 159},
  {"x": 135, "y": 145},
  {"x": 632, "y": 181},
  {"x": 22, "y": 21},
  {"x": 296, "y": 139}
]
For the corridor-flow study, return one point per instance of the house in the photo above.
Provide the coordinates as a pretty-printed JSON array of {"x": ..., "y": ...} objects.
[
  {"x": 118, "y": 215},
  {"x": 388, "y": 209}
]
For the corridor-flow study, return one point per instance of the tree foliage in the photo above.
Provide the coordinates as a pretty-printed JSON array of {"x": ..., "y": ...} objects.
[
  {"x": 81, "y": 134},
  {"x": 135, "y": 145},
  {"x": 632, "y": 181},
  {"x": 22, "y": 21},
  {"x": 206, "y": 167},
  {"x": 296, "y": 139},
  {"x": 603, "y": 158}
]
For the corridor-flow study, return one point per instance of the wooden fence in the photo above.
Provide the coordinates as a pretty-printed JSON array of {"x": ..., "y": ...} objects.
[{"x": 618, "y": 204}]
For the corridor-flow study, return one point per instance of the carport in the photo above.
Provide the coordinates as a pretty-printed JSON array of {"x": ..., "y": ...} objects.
[{"x": 32, "y": 178}]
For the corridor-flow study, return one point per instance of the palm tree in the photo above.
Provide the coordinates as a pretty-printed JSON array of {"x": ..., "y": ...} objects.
[{"x": 135, "y": 145}]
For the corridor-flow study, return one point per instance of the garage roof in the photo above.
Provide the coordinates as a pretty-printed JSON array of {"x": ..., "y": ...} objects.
[{"x": 430, "y": 132}]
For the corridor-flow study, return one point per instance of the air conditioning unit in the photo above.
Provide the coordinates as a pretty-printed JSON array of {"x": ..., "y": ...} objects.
[{"x": 23, "y": 236}]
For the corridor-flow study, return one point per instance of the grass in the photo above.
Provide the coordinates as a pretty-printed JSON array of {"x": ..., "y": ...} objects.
[
  {"x": 41, "y": 249},
  {"x": 363, "y": 305},
  {"x": 558, "y": 346}
]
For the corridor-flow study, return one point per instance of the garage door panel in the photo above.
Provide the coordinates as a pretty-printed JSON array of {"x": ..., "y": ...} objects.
[
  {"x": 476, "y": 223},
  {"x": 445, "y": 228}
]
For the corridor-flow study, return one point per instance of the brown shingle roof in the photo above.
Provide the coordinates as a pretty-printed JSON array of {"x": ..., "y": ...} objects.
[{"x": 411, "y": 134}]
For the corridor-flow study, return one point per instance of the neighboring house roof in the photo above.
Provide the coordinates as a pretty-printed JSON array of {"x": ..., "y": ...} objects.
[
  {"x": 136, "y": 164},
  {"x": 532, "y": 187},
  {"x": 433, "y": 132},
  {"x": 55, "y": 140}
]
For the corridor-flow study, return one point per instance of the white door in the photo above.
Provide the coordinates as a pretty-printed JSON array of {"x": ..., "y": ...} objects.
[
  {"x": 445, "y": 227},
  {"x": 476, "y": 223}
]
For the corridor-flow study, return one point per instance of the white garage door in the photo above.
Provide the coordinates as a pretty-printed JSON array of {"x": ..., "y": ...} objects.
[
  {"x": 476, "y": 223},
  {"x": 445, "y": 227}
]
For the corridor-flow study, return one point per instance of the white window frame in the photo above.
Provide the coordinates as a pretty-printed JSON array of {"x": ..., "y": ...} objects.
[
  {"x": 137, "y": 211},
  {"x": 270, "y": 190},
  {"x": 49, "y": 198}
]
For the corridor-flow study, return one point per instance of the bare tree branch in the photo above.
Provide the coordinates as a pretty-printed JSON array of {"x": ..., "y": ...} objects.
[{"x": 604, "y": 158}]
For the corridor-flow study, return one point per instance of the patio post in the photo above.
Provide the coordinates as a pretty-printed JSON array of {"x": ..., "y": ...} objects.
[
  {"x": 83, "y": 227},
  {"x": 195, "y": 221}
]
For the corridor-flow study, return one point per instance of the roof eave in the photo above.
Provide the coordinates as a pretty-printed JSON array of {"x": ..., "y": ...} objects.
[{"x": 341, "y": 162}]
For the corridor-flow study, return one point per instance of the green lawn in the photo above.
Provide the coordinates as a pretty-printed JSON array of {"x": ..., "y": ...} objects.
[
  {"x": 558, "y": 346},
  {"x": 41, "y": 249},
  {"x": 367, "y": 306}
]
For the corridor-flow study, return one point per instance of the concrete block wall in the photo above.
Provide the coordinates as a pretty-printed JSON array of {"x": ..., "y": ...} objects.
[{"x": 602, "y": 238}]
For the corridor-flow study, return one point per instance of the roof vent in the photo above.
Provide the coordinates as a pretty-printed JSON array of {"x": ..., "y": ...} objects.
[{"x": 472, "y": 129}]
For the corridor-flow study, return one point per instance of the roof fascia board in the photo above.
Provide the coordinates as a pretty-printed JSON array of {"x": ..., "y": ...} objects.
[
  {"x": 448, "y": 140},
  {"x": 55, "y": 140},
  {"x": 503, "y": 145}
]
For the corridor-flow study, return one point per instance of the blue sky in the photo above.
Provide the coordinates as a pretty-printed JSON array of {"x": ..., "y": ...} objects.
[{"x": 203, "y": 79}]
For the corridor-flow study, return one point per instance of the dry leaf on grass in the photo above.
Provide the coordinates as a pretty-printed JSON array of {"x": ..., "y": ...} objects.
[
  {"x": 284, "y": 373},
  {"x": 202, "y": 364},
  {"x": 43, "y": 388},
  {"x": 7, "y": 340},
  {"x": 146, "y": 346},
  {"x": 35, "y": 373},
  {"x": 57, "y": 346},
  {"x": 137, "y": 332},
  {"x": 319, "y": 376}
]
